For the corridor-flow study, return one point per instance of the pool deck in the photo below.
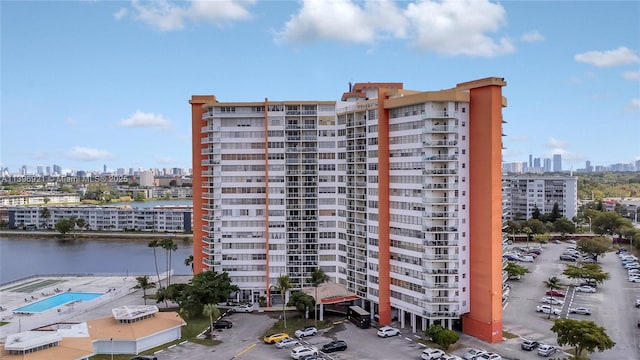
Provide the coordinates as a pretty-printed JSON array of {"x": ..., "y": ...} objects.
[{"x": 117, "y": 290}]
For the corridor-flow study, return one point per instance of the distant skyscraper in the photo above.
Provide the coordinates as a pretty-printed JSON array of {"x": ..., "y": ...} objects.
[
  {"x": 536, "y": 163},
  {"x": 48, "y": 170},
  {"x": 547, "y": 165},
  {"x": 557, "y": 162},
  {"x": 104, "y": 168},
  {"x": 530, "y": 161},
  {"x": 40, "y": 170},
  {"x": 588, "y": 167},
  {"x": 23, "y": 170},
  {"x": 57, "y": 169}
]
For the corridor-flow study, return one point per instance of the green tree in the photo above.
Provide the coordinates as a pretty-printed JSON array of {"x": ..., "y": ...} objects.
[
  {"x": 542, "y": 238},
  {"x": 596, "y": 246},
  {"x": 514, "y": 269},
  {"x": 564, "y": 226},
  {"x": 301, "y": 301},
  {"x": 140, "y": 196},
  {"x": 81, "y": 223},
  {"x": 441, "y": 336},
  {"x": 204, "y": 288},
  {"x": 535, "y": 214},
  {"x": 63, "y": 226},
  {"x": 583, "y": 335},
  {"x": 552, "y": 283},
  {"x": 283, "y": 285},
  {"x": 555, "y": 213},
  {"x": 318, "y": 277},
  {"x": 212, "y": 311},
  {"x": 73, "y": 221},
  {"x": 155, "y": 244},
  {"x": 45, "y": 214},
  {"x": 169, "y": 246},
  {"x": 606, "y": 223},
  {"x": 586, "y": 271},
  {"x": 144, "y": 284},
  {"x": 189, "y": 261}
]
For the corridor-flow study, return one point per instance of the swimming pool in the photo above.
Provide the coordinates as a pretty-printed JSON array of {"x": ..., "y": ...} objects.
[{"x": 55, "y": 301}]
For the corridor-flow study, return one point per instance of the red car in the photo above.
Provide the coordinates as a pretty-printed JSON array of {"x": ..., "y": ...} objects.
[{"x": 555, "y": 293}]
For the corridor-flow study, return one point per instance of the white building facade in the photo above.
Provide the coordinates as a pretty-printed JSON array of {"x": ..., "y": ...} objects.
[{"x": 527, "y": 192}]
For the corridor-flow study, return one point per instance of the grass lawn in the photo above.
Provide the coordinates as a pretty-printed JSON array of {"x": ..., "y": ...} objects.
[{"x": 294, "y": 324}]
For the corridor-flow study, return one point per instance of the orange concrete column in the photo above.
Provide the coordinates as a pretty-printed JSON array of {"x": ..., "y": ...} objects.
[
  {"x": 484, "y": 320},
  {"x": 196, "y": 157},
  {"x": 384, "y": 268}
]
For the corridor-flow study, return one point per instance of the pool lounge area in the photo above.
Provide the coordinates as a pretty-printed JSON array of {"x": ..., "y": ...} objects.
[{"x": 55, "y": 301}]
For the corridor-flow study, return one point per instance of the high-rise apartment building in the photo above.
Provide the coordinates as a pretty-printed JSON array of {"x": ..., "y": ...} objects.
[
  {"x": 557, "y": 162},
  {"x": 394, "y": 193},
  {"x": 524, "y": 193}
]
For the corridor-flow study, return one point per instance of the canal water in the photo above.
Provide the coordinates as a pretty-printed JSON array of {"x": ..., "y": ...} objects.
[{"x": 24, "y": 257}]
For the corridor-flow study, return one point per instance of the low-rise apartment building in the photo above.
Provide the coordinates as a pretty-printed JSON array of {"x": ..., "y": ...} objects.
[{"x": 527, "y": 192}]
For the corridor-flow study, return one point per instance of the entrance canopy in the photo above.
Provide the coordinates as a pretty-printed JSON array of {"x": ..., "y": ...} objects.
[{"x": 330, "y": 293}]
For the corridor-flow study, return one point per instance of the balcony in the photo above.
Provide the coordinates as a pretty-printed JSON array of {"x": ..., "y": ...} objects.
[
  {"x": 428, "y": 227},
  {"x": 440, "y": 172},
  {"x": 440, "y": 285},
  {"x": 439, "y": 114},
  {"x": 440, "y": 214},
  {"x": 440, "y": 129},
  {"x": 440, "y": 256},
  {"x": 440, "y": 186},
  {"x": 440, "y": 158},
  {"x": 441, "y": 314},
  {"x": 441, "y": 299},
  {"x": 440, "y": 200},
  {"x": 439, "y": 143}
]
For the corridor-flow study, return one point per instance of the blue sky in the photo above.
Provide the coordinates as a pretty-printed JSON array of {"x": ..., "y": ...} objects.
[{"x": 87, "y": 83}]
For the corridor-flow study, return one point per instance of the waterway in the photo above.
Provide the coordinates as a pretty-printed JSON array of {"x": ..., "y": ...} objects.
[{"x": 24, "y": 257}]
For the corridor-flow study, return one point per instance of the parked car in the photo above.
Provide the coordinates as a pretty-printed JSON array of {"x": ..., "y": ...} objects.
[
  {"x": 546, "y": 350},
  {"x": 287, "y": 343},
  {"x": 529, "y": 345},
  {"x": 308, "y": 331},
  {"x": 144, "y": 357},
  {"x": 247, "y": 308},
  {"x": 589, "y": 283},
  {"x": 568, "y": 257},
  {"x": 552, "y": 300},
  {"x": 547, "y": 309},
  {"x": 300, "y": 351},
  {"x": 274, "y": 338},
  {"x": 638, "y": 303},
  {"x": 585, "y": 288},
  {"x": 634, "y": 279},
  {"x": 473, "y": 353},
  {"x": 312, "y": 357},
  {"x": 489, "y": 356},
  {"x": 514, "y": 277},
  {"x": 431, "y": 354},
  {"x": 336, "y": 345},
  {"x": 387, "y": 331},
  {"x": 222, "y": 324},
  {"x": 450, "y": 357},
  {"x": 580, "y": 310},
  {"x": 555, "y": 293}
]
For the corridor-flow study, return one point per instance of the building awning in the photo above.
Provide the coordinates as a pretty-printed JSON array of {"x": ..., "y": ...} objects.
[{"x": 330, "y": 293}]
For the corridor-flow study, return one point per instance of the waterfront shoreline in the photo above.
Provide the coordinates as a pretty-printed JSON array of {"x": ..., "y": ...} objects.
[{"x": 93, "y": 235}]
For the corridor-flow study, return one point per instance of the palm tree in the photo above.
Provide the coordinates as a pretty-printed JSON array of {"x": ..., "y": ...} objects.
[
  {"x": 144, "y": 284},
  {"x": 81, "y": 223},
  {"x": 45, "y": 213},
  {"x": 318, "y": 277},
  {"x": 169, "y": 246},
  {"x": 154, "y": 244},
  {"x": 283, "y": 285},
  {"x": 212, "y": 311},
  {"x": 553, "y": 283},
  {"x": 189, "y": 261}
]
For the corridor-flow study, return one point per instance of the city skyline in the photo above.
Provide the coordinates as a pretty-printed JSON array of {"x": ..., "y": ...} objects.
[{"x": 121, "y": 98}]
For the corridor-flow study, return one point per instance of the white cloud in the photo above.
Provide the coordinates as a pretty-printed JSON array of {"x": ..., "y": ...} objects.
[
  {"x": 165, "y": 160},
  {"x": 70, "y": 121},
  {"x": 631, "y": 75},
  {"x": 556, "y": 144},
  {"x": 450, "y": 27},
  {"x": 458, "y": 27},
  {"x": 88, "y": 154},
  {"x": 142, "y": 119},
  {"x": 532, "y": 36},
  {"x": 120, "y": 13},
  {"x": 633, "y": 106},
  {"x": 609, "y": 58},
  {"x": 344, "y": 20},
  {"x": 167, "y": 16}
]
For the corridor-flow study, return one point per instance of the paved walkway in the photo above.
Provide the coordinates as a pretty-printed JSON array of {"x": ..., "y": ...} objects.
[{"x": 116, "y": 290}]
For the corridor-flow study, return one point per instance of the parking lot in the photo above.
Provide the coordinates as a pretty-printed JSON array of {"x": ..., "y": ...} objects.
[{"x": 612, "y": 307}]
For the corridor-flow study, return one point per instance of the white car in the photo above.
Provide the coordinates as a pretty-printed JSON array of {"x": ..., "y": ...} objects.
[
  {"x": 489, "y": 356},
  {"x": 450, "y": 357},
  {"x": 585, "y": 288},
  {"x": 546, "y": 350},
  {"x": 431, "y": 354},
  {"x": 473, "y": 353},
  {"x": 547, "y": 309},
  {"x": 247, "y": 308},
  {"x": 634, "y": 279},
  {"x": 287, "y": 343},
  {"x": 580, "y": 310},
  {"x": 308, "y": 331},
  {"x": 387, "y": 331},
  {"x": 552, "y": 300},
  {"x": 300, "y": 351}
]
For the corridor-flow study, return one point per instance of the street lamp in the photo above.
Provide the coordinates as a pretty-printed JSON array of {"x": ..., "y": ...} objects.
[{"x": 589, "y": 217}]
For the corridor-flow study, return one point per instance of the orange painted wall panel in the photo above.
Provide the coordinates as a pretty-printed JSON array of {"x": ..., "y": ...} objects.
[
  {"x": 384, "y": 269},
  {"x": 485, "y": 214}
]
